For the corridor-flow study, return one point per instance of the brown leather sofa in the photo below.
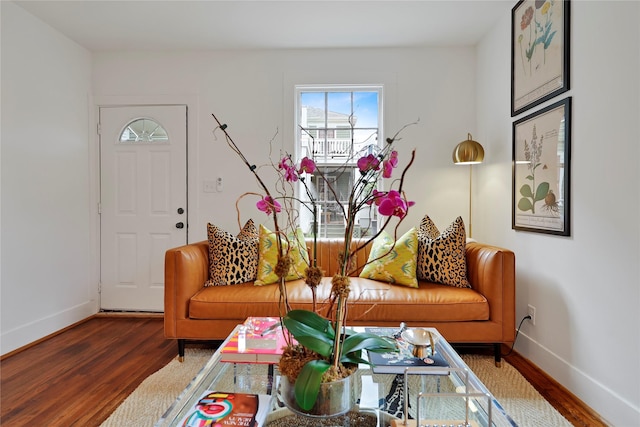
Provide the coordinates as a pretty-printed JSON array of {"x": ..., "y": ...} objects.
[{"x": 484, "y": 314}]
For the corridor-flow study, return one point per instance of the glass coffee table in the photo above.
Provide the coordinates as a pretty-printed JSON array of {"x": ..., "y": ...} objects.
[{"x": 438, "y": 396}]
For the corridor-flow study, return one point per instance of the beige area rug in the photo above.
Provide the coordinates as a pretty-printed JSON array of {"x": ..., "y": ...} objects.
[{"x": 151, "y": 399}]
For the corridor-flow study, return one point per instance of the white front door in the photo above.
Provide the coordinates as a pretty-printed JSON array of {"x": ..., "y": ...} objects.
[{"x": 143, "y": 173}]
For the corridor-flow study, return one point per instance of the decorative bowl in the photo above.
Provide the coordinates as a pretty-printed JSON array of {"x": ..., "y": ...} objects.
[{"x": 420, "y": 339}]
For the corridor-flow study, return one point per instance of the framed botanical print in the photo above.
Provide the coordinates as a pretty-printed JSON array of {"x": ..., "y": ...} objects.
[
  {"x": 541, "y": 163},
  {"x": 539, "y": 52}
]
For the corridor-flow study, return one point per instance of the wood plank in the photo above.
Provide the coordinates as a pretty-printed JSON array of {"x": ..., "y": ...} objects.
[
  {"x": 83, "y": 374},
  {"x": 565, "y": 402}
]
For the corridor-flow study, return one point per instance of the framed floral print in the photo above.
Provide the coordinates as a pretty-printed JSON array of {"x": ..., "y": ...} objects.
[
  {"x": 541, "y": 162},
  {"x": 539, "y": 52}
]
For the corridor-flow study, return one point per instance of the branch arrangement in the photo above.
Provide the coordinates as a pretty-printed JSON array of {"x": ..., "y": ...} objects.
[{"x": 324, "y": 341}]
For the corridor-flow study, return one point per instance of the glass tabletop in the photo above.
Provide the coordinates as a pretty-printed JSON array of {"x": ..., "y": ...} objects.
[{"x": 437, "y": 395}]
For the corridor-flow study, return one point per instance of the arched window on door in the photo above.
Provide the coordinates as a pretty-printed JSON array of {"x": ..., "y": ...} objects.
[{"x": 144, "y": 130}]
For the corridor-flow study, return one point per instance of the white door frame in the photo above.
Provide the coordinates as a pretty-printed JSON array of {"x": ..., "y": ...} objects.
[{"x": 192, "y": 103}]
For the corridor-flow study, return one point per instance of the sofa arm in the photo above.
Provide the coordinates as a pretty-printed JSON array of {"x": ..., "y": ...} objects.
[
  {"x": 186, "y": 269},
  {"x": 491, "y": 271}
]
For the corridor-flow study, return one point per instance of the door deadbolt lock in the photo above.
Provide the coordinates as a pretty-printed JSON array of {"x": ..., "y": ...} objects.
[
  {"x": 180, "y": 225},
  {"x": 180, "y": 211}
]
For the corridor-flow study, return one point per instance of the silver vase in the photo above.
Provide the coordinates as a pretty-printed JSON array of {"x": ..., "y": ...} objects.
[{"x": 335, "y": 398}]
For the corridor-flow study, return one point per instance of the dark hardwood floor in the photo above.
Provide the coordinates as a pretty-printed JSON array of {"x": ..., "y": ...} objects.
[
  {"x": 77, "y": 378},
  {"x": 80, "y": 376}
]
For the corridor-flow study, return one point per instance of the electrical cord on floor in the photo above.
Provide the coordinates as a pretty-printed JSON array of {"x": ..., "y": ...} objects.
[{"x": 517, "y": 332}]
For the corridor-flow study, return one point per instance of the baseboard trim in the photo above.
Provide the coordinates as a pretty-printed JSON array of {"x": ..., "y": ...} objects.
[
  {"x": 45, "y": 338},
  {"x": 132, "y": 314},
  {"x": 565, "y": 402},
  {"x": 611, "y": 407}
]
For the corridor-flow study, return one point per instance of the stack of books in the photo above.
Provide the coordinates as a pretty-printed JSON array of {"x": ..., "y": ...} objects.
[
  {"x": 258, "y": 340},
  {"x": 397, "y": 362}
]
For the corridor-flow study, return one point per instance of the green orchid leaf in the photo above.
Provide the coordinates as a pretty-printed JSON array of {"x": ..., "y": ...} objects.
[
  {"x": 352, "y": 358},
  {"x": 303, "y": 321},
  {"x": 310, "y": 330},
  {"x": 308, "y": 383},
  {"x": 367, "y": 341},
  {"x": 320, "y": 344},
  {"x": 525, "y": 205},
  {"x": 542, "y": 191},
  {"x": 529, "y": 177},
  {"x": 525, "y": 191}
]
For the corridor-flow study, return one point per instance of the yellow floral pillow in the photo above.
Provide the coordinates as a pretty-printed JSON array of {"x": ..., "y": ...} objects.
[
  {"x": 268, "y": 256},
  {"x": 398, "y": 266}
]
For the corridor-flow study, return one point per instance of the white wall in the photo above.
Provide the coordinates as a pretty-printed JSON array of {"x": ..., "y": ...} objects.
[
  {"x": 252, "y": 92},
  {"x": 586, "y": 288},
  {"x": 46, "y": 283}
]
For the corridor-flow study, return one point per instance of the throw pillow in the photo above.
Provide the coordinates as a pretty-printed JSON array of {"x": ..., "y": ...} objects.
[
  {"x": 232, "y": 259},
  {"x": 268, "y": 256},
  {"x": 441, "y": 256},
  {"x": 393, "y": 262}
]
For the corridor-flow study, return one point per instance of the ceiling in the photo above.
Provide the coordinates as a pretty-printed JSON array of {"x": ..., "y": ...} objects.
[{"x": 102, "y": 25}]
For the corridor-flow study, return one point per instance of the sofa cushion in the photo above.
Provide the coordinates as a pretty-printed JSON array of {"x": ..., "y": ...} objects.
[
  {"x": 393, "y": 262},
  {"x": 232, "y": 259},
  {"x": 268, "y": 256},
  {"x": 441, "y": 256},
  {"x": 370, "y": 302}
]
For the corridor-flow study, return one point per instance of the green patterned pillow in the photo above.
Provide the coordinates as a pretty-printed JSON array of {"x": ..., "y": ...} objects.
[
  {"x": 232, "y": 259},
  {"x": 398, "y": 266},
  {"x": 268, "y": 256},
  {"x": 442, "y": 256}
]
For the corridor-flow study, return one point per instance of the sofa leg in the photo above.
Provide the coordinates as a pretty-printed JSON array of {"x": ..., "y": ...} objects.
[
  {"x": 181, "y": 350},
  {"x": 497, "y": 355}
]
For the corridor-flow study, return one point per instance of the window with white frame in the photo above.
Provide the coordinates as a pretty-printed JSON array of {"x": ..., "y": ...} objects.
[{"x": 335, "y": 126}]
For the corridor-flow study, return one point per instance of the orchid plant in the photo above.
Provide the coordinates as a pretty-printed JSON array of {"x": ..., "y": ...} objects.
[{"x": 325, "y": 347}]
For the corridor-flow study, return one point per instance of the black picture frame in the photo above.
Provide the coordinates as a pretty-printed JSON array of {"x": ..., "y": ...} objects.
[
  {"x": 539, "y": 52},
  {"x": 541, "y": 170}
]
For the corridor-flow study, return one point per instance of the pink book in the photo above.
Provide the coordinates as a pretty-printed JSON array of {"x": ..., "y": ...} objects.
[{"x": 258, "y": 340}]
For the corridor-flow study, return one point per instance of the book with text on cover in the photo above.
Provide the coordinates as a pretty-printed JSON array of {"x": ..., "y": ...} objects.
[
  {"x": 222, "y": 409},
  {"x": 397, "y": 362},
  {"x": 258, "y": 340}
]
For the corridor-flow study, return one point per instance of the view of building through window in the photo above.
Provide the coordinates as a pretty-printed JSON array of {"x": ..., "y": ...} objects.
[{"x": 335, "y": 127}]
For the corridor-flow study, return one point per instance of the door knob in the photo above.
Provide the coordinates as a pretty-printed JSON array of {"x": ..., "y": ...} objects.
[
  {"x": 180, "y": 225},
  {"x": 180, "y": 211}
]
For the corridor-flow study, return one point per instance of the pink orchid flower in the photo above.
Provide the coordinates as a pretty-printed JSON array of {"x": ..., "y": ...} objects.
[
  {"x": 368, "y": 163},
  {"x": 268, "y": 205},
  {"x": 289, "y": 170},
  {"x": 284, "y": 163},
  {"x": 389, "y": 164},
  {"x": 290, "y": 174},
  {"x": 307, "y": 166},
  {"x": 376, "y": 197},
  {"x": 394, "y": 204}
]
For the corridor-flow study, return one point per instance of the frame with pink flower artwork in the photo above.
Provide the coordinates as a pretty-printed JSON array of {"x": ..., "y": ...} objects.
[{"x": 539, "y": 52}]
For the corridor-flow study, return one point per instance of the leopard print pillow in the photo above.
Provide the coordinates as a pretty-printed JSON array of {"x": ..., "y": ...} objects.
[
  {"x": 232, "y": 260},
  {"x": 442, "y": 256}
]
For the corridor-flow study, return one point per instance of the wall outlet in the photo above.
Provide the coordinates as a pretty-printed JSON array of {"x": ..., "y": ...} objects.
[{"x": 531, "y": 311}]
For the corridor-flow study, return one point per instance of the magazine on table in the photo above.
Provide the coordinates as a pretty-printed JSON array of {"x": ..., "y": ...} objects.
[{"x": 219, "y": 408}]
